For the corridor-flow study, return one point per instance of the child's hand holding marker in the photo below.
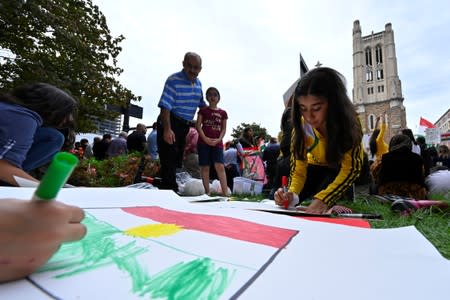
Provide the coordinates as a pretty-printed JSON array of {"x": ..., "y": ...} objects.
[
  {"x": 283, "y": 197},
  {"x": 56, "y": 176},
  {"x": 32, "y": 231}
]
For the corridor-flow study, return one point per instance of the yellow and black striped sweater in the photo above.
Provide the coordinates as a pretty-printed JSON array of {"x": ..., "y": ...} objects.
[{"x": 350, "y": 168}]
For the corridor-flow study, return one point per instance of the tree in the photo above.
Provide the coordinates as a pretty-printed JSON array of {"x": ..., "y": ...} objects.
[
  {"x": 66, "y": 43},
  {"x": 257, "y": 130}
]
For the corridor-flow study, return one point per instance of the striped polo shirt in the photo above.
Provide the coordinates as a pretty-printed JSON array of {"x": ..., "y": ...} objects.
[{"x": 182, "y": 96}]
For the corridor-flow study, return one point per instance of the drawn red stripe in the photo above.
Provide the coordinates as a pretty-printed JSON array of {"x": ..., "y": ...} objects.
[
  {"x": 350, "y": 221},
  {"x": 219, "y": 225}
]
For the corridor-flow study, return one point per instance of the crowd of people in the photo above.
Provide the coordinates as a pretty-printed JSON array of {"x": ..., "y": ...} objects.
[
  {"x": 107, "y": 147},
  {"x": 319, "y": 149}
]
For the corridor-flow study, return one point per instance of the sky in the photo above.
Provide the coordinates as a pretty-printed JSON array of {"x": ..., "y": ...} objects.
[{"x": 250, "y": 49}]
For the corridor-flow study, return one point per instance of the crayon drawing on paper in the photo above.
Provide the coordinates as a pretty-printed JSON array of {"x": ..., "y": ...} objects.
[{"x": 154, "y": 252}]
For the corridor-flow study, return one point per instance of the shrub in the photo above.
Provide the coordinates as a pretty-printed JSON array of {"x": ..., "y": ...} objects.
[{"x": 113, "y": 172}]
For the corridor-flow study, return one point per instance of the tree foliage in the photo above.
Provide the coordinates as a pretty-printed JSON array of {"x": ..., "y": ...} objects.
[
  {"x": 257, "y": 130},
  {"x": 66, "y": 43}
]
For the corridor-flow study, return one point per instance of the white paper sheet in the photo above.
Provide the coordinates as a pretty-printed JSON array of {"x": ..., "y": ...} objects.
[
  {"x": 354, "y": 264},
  {"x": 100, "y": 197},
  {"x": 323, "y": 261},
  {"x": 22, "y": 182}
]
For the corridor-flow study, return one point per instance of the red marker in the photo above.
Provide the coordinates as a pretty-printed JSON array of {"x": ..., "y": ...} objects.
[{"x": 284, "y": 185}]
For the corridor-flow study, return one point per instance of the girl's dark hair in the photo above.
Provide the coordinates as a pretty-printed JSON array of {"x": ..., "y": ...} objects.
[
  {"x": 245, "y": 132},
  {"x": 212, "y": 89},
  {"x": 410, "y": 134},
  {"x": 51, "y": 103},
  {"x": 373, "y": 142},
  {"x": 343, "y": 127}
]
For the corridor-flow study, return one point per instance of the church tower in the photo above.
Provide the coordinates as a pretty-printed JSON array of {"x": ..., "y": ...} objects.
[{"x": 377, "y": 88}]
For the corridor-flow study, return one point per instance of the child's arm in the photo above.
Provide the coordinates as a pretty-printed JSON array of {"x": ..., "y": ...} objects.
[
  {"x": 376, "y": 122},
  {"x": 8, "y": 171},
  {"x": 198, "y": 126},
  {"x": 223, "y": 129}
]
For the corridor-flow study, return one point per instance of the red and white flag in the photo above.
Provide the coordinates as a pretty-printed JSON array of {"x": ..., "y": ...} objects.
[{"x": 425, "y": 123}]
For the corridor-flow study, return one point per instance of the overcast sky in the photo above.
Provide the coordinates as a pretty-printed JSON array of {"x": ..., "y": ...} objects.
[{"x": 250, "y": 49}]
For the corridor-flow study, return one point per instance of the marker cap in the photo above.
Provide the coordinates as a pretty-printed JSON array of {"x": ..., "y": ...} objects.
[{"x": 58, "y": 172}]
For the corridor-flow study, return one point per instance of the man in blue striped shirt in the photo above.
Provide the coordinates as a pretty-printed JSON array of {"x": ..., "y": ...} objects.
[{"x": 181, "y": 97}]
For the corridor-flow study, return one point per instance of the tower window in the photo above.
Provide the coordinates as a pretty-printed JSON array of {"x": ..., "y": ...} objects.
[
  {"x": 380, "y": 74},
  {"x": 369, "y": 75},
  {"x": 380, "y": 88},
  {"x": 378, "y": 55},
  {"x": 368, "y": 57}
]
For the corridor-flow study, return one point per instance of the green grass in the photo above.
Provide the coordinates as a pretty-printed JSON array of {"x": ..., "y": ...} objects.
[{"x": 433, "y": 223}]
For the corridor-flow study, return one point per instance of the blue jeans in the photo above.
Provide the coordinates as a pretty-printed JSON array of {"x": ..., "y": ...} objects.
[{"x": 47, "y": 142}]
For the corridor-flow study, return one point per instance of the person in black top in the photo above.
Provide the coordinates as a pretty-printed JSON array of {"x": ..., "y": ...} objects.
[
  {"x": 443, "y": 158},
  {"x": 270, "y": 157},
  {"x": 101, "y": 147},
  {"x": 136, "y": 141},
  {"x": 283, "y": 163},
  {"x": 246, "y": 139},
  {"x": 426, "y": 155},
  {"x": 400, "y": 171}
]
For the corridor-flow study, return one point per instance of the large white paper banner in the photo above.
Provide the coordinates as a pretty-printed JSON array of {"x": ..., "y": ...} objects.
[{"x": 147, "y": 244}]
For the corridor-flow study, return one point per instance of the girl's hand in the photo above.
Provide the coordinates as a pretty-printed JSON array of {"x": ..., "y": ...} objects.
[
  {"x": 212, "y": 142},
  {"x": 316, "y": 207},
  {"x": 209, "y": 141},
  {"x": 283, "y": 198}
]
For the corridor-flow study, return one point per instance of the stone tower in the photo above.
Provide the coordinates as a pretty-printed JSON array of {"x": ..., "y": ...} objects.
[{"x": 377, "y": 88}]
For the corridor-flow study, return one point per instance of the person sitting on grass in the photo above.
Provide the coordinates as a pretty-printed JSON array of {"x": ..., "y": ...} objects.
[
  {"x": 400, "y": 171},
  {"x": 31, "y": 116},
  {"x": 443, "y": 158}
]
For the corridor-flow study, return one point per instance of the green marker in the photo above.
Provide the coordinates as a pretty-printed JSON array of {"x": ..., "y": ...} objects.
[{"x": 56, "y": 176}]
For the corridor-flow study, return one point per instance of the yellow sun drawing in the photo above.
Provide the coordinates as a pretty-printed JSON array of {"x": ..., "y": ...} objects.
[{"x": 153, "y": 230}]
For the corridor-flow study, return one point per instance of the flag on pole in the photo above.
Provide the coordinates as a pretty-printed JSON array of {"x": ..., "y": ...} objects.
[{"x": 425, "y": 123}]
